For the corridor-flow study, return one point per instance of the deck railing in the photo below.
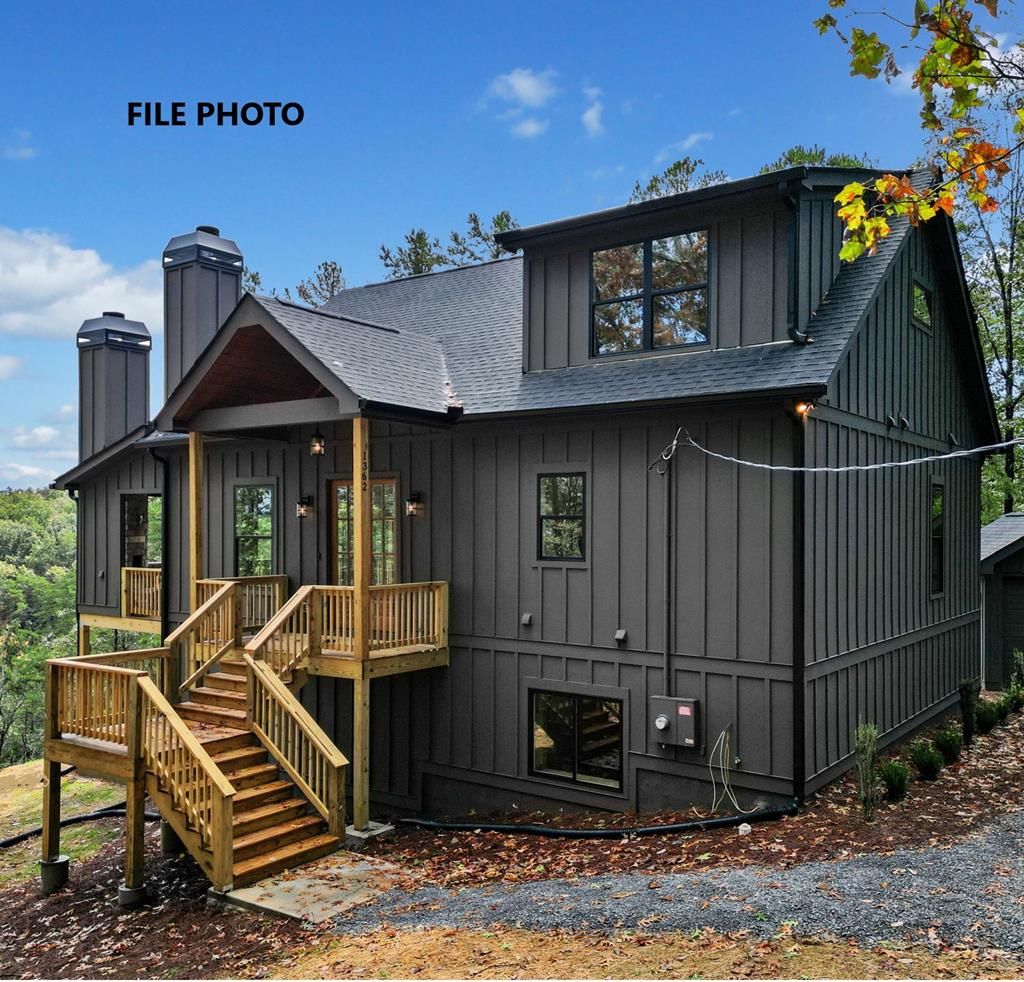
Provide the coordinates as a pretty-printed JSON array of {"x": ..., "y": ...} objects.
[
  {"x": 208, "y": 634},
  {"x": 89, "y": 699},
  {"x": 262, "y": 596},
  {"x": 291, "y": 636},
  {"x": 402, "y": 615},
  {"x": 186, "y": 772},
  {"x": 297, "y": 743},
  {"x": 154, "y": 662},
  {"x": 140, "y": 592}
]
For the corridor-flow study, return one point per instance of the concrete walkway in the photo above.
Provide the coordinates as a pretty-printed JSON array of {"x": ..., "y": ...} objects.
[{"x": 972, "y": 891}]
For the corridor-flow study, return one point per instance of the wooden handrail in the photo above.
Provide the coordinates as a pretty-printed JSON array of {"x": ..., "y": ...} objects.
[
  {"x": 88, "y": 699},
  {"x": 121, "y": 658},
  {"x": 205, "y": 667},
  {"x": 189, "y": 621},
  {"x": 202, "y": 638},
  {"x": 262, "y": 596},
  {"x": 402, "y": 615},
  {"x": 186, "y": 772},
  {"x": 291, "y": 635},
  {"x": 297, "y": 743}
]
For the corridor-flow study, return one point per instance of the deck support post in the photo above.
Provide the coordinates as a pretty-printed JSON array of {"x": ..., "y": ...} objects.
[
  {"x": 133, "y": 890},
  {"x": 196, "y": 519},
  {"x": 84, "y": 639},
  {"x": 53, "y": 867},
  {"x": 361, "y": 575}
]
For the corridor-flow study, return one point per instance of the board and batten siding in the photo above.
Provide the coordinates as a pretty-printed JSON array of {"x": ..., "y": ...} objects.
[
  {"x": 747, "y": 290},
  {"x": 879, "y": 647}
]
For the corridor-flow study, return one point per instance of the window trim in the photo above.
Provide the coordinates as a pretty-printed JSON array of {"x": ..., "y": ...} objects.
[
  {"x": 275, "y": 524},
  {"x": 917, "y": 281},
  {"x": 331, "y": 552},
  {"x": 576, "y": 694},
  {"x": 566, "y": 470},
  {"x": 647, "y": 295},
  {"x": 933, "y": 483}
]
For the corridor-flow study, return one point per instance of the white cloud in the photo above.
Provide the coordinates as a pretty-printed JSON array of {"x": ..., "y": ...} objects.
[
  {"x": 66, "y": 411},
  {"x": 20, "y": 147},
  {"x": 24, "y": 475},
  {"x": 48, "y": 287},
  {"x": 9, "y": 367},
  {"x": 733, "y": 113},
  {"x": 37, "y": 436},
  {"x": 680, "y": 147},
  {"x": 524, "y": 88},
  {"x": 591, "y": 117},
  {"x": 529, "y": 128}
]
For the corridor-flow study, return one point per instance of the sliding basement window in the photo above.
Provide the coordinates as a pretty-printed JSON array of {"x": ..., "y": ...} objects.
[{"x": 576, "y": 738}]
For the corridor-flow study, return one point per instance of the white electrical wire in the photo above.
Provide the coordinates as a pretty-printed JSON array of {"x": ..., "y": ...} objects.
[
  {"x": 670, "y": 450},
  {"x": 721, "y": 747}
]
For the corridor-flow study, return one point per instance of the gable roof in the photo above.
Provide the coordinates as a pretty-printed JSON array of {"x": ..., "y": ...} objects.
[{"x": 1000, "y": 538}]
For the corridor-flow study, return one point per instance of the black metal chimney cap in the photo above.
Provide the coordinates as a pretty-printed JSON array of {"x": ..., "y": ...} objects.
[
  {"x": 205, "y": 244},
  {"x": 212, "y": 229},
  {"x": 113, "y": 328}
]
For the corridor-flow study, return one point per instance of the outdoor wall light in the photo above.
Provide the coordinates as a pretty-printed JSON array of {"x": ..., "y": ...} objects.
[
  {"x": 414, "y": 504},
  {"x": 803, "y": 408},
  {"x": 302, "y": 507},
  {"x": 317, "y": 445}
]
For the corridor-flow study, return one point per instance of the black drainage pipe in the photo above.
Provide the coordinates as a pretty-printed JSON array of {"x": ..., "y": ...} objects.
[
  {"x": 552, "y": 832},
  {"x": 111, "y": 811}
]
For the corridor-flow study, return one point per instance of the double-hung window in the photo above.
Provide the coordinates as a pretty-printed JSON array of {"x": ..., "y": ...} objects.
[
  {"x": 561, "y": 522},
  {"x": 254, "y": 529},
  {"x": 650, "y": 295}
]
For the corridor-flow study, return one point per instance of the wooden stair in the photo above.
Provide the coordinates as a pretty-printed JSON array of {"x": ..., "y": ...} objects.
[{"x": 274, "y": 826}]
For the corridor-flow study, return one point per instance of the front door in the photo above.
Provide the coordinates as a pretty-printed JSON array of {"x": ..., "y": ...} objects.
[{"x": 384, "y": 531}]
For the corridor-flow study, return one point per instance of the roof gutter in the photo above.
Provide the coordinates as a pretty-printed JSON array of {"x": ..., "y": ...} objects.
[{"x": 790, "y": 192}]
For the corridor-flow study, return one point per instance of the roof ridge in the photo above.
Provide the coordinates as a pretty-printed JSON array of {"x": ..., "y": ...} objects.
[
  {"x": 423, "y": 276},
  {"x": 328, "y": 313}
]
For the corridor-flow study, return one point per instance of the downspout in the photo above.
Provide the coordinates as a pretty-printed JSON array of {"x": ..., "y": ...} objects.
[
  {"x": 73, "y": 495},
  {"x": 792, "y": 200},
  {"x": 799, "y": 559},
  {"x": 165, "y": 543},
  {"x": 668, "y": 687}
]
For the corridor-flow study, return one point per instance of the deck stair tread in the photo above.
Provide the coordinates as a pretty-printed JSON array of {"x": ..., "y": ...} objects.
[
  {"x": 272, "y": 837},
  {"x": 293, "y": 854},
  {"x": 225, "y": 680},
  {"x": 212, "y": 714},
  {"x": 253, "y": 777},
  {"x": 238, "y": 758},
  {"x": 261, "y": 816},
  {"x": 262, "y": 794},
  {"x": 210, "y": 696}
]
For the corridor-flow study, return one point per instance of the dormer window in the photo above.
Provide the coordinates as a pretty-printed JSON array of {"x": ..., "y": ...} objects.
[
  {"x": 650, "y": 295},
  {"x": 922, "y": 309}
]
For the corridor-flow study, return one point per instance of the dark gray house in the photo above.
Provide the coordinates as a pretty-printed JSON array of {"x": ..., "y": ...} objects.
[
  {"x": 1002, "y": 592},
  {"x": 593, "y": 624}
]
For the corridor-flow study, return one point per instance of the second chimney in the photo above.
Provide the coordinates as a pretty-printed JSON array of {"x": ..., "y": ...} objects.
[{"x": 202, "y": 284}]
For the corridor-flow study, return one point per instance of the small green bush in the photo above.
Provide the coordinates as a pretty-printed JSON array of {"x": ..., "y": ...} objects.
[
  {"x": 895, "y": 776},
  {"x": 968, "y": 708},
  {"x": 986, "y": 715},
  {"x": 865, "y": 744},
  {"x": 949, "y": 743},
  {"x": 927, "y": 760},
  {"x": 1016, "y": 695},
  {"x": 1004, "y": 706}
]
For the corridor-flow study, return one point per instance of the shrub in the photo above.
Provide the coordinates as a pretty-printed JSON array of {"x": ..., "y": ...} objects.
[
  {"x": 865, "y": 748},
  {"x": 895, "y": 775},
  {"x": 986, "y": 715},
  {"x": 949, "y": 743},
  {"x": 927, "y": 760},
  {"x": 968, "y": 708},
  {"x": 1004, "y": 706}
]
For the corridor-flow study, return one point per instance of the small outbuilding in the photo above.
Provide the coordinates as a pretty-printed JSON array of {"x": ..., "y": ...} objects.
[{"x": 1002, "y": 584}]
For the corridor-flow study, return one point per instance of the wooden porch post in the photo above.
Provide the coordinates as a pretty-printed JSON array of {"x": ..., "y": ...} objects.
[
  {"x": 84, "y": 639},
  {"x": 133, "y": 891},
  {"x": 196, "y": 520},
  {"x": 361, "y": 561},
  {"x": 53, "y": 870}
]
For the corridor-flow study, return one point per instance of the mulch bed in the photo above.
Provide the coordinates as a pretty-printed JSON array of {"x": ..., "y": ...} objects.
[
  {"x": 80, "y": 932},
  {"x": 986, "y": 783}
]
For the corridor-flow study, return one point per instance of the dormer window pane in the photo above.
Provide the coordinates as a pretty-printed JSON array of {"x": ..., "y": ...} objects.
[
  {"x": 619, "y": 272},
  {"x": 680, "y": 318},
  {"x": 679, "y": 261},
  {"x": 619, "y": 326}
]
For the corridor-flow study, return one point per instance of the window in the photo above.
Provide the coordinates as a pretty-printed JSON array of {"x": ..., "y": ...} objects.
[
  {"x": 254, "y": 530},
  {"x": 650, "y": 295},
  {"x": 383, "y": 529},
  {"x": 938, "y": 538},
  {"x": 141, "y": 530},
  {"x": 576, "y": 738},
  {"x": 561, "y": 531},
  {"x": 922, "y": 309}
]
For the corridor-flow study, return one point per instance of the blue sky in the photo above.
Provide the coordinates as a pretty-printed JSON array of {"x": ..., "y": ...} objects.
[{"x": 415, "y": 115}]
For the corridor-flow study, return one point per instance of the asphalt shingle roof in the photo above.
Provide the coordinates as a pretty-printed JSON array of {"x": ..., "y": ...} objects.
[{"x": 1003, "y": 532}]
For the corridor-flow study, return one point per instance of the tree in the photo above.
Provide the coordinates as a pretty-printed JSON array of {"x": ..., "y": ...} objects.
[
  {"x": 684, "y": 174},
  {"x": 423, "y": 253},
  {"x": 960, "y": 69},
  {"x": 816, "y": 156},
  {"x": 326, "y": 281}
]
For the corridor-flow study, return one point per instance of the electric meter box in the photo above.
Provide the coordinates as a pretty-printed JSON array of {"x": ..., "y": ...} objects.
[{"x": 675, "y": 722}]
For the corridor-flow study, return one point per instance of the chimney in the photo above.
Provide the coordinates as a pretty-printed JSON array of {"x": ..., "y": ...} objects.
[
  {"x": 113, "y": 380},
  {"x": 202, "y": 284}
]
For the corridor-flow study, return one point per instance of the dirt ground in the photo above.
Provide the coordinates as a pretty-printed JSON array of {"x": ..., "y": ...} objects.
[
  {"x": 987, "y": 782},
  {"x": 439, "y": 954}
]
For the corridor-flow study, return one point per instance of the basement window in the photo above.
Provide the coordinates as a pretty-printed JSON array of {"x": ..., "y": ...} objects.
[
  {"x": 561, "y": 524},
  {"x": 938, "y": 539},
  {"x": 254, "y": 530},
  {"x": 921, "y": 313},
  {"x": 576, "y": 738},
  {"x": 650, "y": 295}
]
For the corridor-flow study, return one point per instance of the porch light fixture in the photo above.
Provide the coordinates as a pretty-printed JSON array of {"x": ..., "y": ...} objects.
[
  {"x": 803, "y": 408},
  {"x": 302, "y": 507},
  {"x": 414, "y": 504},
  {"x": 317, "y": 445}
]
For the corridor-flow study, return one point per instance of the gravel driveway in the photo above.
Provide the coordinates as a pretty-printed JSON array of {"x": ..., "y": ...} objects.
[{"x": 972, "y": 891}]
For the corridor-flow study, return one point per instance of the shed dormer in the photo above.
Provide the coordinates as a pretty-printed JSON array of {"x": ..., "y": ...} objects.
[{"x": 736, "y": 264}]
